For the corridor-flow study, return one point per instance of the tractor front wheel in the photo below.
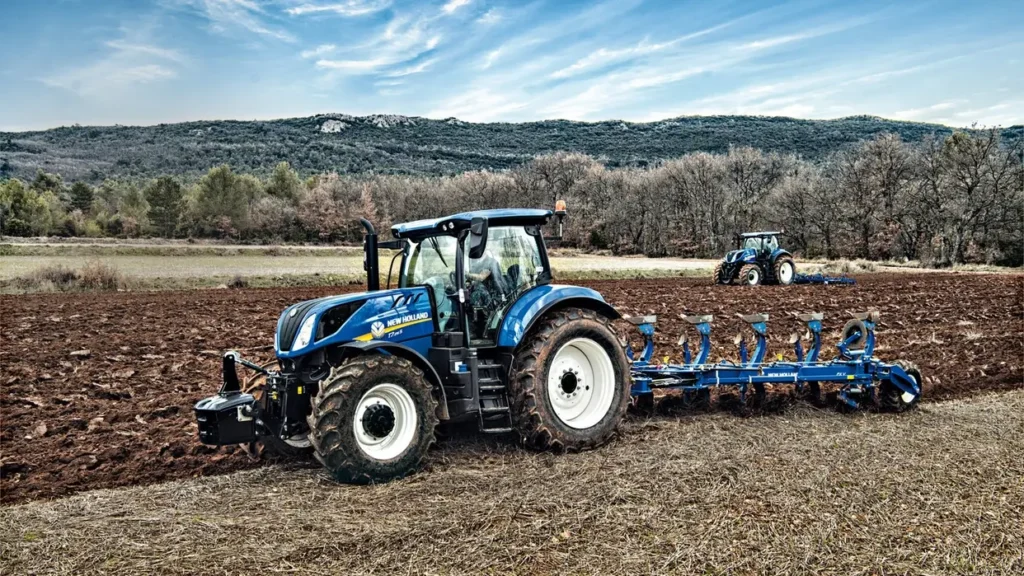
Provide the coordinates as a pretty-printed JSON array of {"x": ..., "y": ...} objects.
[
  {"x": 751, "y": 275},
  {"x": 373, "y": 419},
  {"x": 720, "y": 277},
  {"x": 570, "y": 382}
]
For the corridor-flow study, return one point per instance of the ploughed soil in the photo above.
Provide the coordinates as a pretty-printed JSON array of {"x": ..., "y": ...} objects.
[{"x": 96, "y": 390}]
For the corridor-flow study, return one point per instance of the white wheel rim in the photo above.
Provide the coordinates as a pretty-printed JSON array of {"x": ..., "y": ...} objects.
[
  {"x": 581, "y": 383},
  {"x": 400, "y": 437},
  {"x": 786, "y": 272},
  {"x": 753, "y": 276}
]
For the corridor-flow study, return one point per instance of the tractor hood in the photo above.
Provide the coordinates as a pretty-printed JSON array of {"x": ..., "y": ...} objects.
[
  {"x": 744, "y": 255},
  {"x": 395, "y": 315}
]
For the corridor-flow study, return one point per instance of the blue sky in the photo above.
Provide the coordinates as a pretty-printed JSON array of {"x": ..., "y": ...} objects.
[{"x": 147, "y": 62}]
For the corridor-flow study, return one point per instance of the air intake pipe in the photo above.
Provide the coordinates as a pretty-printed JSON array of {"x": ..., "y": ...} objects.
[{"x": 370, "y": 260}]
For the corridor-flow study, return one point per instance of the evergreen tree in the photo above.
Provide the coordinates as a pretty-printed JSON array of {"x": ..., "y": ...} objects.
[
  {"x": 81, "y": 197},
  {"x": 284, "y": 183},
  {"x": 165, "y": 202}
]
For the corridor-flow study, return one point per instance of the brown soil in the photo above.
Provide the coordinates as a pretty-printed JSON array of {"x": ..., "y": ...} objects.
[{"x": 96, "y": 390}]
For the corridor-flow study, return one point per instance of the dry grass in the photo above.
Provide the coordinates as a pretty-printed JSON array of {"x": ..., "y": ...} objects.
[
  {"x": 937, "y": 491},
  {"x": 93, "y": 276}
]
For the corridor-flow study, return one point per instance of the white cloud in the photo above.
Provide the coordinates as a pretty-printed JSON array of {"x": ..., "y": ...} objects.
[
  {"x": 128, "y": 47},
  {"x": 401, "y": 41},
  {"x": 227, "y": 14},
  {"x": 348, "y": 9},
  {"x": 478, "y": 105},
  {"x": 491, "y": 17},
  {"x": 415, "y": 69},
  {"x": 604, "y": 56},
  {"x": 129, "y": 63},
  {"x": 454, "y": 5},
  {"x": 926, "y": 111},
  {"x": 321, "y": 50}
]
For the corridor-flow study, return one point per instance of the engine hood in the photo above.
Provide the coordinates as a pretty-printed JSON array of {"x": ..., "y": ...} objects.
[
  {"x": 744, "y": 255},
  {"x": 355, "y": 316}
]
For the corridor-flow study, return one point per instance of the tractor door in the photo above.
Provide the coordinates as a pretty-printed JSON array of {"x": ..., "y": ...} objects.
[
  {"x": 510, "y": 265},
  {"x": 431, "y": 262}
]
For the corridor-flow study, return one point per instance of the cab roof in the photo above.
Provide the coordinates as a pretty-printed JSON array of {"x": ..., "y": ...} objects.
[
  {"x": 496, "y": 217},
  {"x": 759, "y": 234}
]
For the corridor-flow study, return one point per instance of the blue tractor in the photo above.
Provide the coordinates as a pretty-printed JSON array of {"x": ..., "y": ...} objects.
[
  {"x": 476, "y": 330},
  {"x": 756, "y": 260}
]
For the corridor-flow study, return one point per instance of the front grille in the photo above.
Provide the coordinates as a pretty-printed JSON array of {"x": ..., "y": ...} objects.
[{"x": 291, "y": 324}]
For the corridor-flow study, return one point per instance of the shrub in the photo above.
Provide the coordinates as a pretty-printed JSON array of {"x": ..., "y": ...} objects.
[
  {"x": 96, "y": 275},
  {"x": 51, "y": 277}
]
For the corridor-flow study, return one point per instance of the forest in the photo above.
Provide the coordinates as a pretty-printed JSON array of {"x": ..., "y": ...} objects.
[
  {"x": 393, "y": 144},
  {"x": 941, "y": 200}
]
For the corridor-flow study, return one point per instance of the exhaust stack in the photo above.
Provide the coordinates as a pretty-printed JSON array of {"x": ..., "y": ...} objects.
[{"x": 370, "y": 260}]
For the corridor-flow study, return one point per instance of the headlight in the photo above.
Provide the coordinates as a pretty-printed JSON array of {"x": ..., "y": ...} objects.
[{"x": 305, "y": 333}]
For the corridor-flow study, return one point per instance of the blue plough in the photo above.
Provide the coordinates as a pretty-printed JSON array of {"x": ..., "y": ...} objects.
[{"x": 860, "y": 378}]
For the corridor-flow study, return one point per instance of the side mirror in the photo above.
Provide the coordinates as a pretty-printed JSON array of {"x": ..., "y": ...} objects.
[{"x": 477, "y": 237}]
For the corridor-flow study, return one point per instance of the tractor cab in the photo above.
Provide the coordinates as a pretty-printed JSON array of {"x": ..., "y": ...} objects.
[
  {"x": 476, "y": 265},
  {"x": 758, "y": 242}
]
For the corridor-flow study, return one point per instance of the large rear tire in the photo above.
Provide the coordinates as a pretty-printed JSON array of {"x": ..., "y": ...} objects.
[
  {"x": 570, "y": 383},
  {"x": 785, "y": 270},
  {"x": 373, "y": 420}
]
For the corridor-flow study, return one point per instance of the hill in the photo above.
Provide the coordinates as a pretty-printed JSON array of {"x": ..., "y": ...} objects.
[{"x": 413, "y": 145}]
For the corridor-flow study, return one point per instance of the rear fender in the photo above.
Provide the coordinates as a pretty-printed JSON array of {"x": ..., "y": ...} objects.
[
  {"x": 778, "y": 253},
  {"x": 357, "y": 348},
  {"x": 534, "y": 304}
]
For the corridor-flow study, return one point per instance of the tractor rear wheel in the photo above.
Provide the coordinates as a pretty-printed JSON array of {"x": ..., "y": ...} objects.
[
  {"x": 570, "y": 382},
  {"x": 892, "y": 398},
  {"x": 751, "y": 275},
  {"x": 785, "y": 270},
  {"x": 719, "y": 276},
  {"x": 373, "y": 419}
]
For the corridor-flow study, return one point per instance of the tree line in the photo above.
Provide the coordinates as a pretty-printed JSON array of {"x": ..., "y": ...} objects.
[{"x": 942, "y": 201}]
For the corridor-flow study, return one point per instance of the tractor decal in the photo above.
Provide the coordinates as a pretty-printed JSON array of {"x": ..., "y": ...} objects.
[{"x": 377, "y": 330}]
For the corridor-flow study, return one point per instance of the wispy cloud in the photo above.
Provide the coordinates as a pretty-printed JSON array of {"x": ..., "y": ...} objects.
[
  {"x": 402, "y": 40},
  {"x": 605, "y": 57},
  {"x": 453, "y": 5},
  {"x": 491, "y": 17},
  {"x": 125, "y": 47},
  {"x": 415, "y": 69},
  {"x": 225, "y": 15},
  {"x": 478, "y": 105},
  {"x": 349, "y": 8},
  {"x": 128, "y": 63},
  {"x": 321, "y": 50}
]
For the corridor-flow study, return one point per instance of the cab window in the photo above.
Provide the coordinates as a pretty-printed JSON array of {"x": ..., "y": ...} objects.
[
  {"x": 510, "y": 265},
  {"x": 431, "y": 262}
]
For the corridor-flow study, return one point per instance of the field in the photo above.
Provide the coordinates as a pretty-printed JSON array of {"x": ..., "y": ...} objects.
[
  {"x": 97, "y": 392},
  {"x": 178, "y": 265}
]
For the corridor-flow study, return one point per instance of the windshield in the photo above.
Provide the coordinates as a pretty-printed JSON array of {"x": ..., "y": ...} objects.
[{"x": 754, "y": 243}]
